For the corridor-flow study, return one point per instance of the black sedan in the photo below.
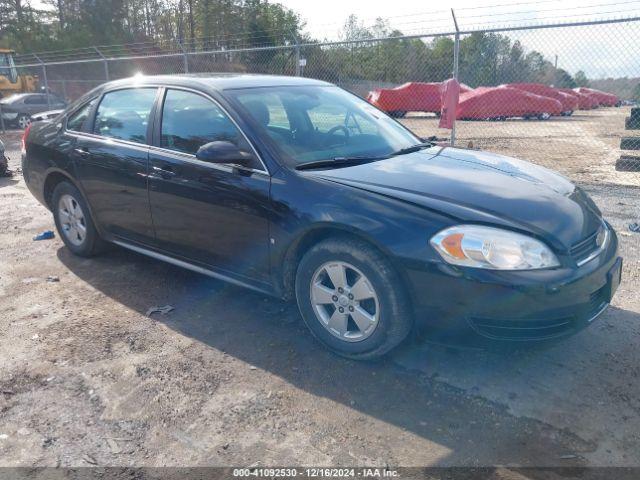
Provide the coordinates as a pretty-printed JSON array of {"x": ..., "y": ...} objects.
[
  {"x": 20, "y": 108},
  {"x": 296, "y": 188}
]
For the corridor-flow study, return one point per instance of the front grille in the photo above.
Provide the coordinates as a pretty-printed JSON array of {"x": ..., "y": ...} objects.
[{"x": 584, "y": 248}]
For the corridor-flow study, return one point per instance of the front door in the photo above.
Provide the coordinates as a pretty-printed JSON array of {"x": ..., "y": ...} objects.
[
  {"x": 214, "y": 214},
  {"x": 112, "y": 163}
]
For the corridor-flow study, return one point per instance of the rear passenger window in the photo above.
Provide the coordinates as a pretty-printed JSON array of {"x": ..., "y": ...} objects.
[
  {"x": 35, "y": 100},
  {"x": 76, "y": 120},
  {"x": 190, "y": 120},
  {"x": 124, "y": 114}
]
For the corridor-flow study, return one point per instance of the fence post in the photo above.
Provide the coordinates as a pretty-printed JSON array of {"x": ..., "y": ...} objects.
[
  {"x": 456, "y": 59},
  {"x": 44, "y": 78},
  {"x": 106, "y": 63},
  {"x": 297, "y": 51},
  {"x": 64, "y": 90},
  {"x": 185, "y": 59}
]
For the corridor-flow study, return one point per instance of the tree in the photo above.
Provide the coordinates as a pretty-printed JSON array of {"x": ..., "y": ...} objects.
[
  {"x": 581, "y": 79},
  {"x": 354, "y": 29},
  {"x": 635, "y": 94},
  {"x": 375, "y": 53}
]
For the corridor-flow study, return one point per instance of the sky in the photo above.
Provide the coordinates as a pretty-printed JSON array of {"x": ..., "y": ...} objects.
[{"x": 601, "y": 51}]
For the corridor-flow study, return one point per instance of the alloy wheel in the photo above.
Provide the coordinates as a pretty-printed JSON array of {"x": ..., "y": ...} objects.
[
  {"x": 344, "y": 301},
  {"x": 72, "y": 220},
  {"x": 24, "y": 121}
]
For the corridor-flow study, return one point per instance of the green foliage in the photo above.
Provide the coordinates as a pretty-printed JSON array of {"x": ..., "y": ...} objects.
[
  {"x": 485, "y": 58},
  {"x": 581, "y": 79},
  {"x": 70, "y": 24}
]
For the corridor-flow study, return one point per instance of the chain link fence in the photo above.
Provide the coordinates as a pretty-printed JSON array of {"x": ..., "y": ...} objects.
[{"x": 506, "y": 102}]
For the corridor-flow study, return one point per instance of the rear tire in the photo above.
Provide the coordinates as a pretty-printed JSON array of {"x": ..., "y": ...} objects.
[
  {"x": 23, "y": 121},
  {"x": 73, "y": 221},
  {"x": 362, "y": 313}
]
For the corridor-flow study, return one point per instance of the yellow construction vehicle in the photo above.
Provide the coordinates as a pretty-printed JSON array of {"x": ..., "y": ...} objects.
[{"x": 10, "y": 81}]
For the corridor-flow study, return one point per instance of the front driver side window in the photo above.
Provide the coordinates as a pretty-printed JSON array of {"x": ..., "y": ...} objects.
[{"x": 190, "y": 120}]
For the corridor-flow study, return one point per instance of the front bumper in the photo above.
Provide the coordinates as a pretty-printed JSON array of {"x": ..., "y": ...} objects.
[{"x": 514, "y": 306}]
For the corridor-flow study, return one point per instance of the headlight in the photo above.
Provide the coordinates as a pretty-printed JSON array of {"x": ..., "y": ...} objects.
[{"x": 492, "y": 248}]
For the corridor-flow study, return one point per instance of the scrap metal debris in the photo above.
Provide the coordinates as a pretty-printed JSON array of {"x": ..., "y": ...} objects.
[
  {"x": 635, "y": 227},
  {"x": 161, "y": 310}
]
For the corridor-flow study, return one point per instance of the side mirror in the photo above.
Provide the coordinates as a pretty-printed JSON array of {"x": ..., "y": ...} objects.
[{"x": 223, "y": 152}]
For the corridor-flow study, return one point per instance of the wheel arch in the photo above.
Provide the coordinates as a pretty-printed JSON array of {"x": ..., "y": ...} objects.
[
  {"x": 311, "y": 237},
  {"x": 51, "y": 181}
]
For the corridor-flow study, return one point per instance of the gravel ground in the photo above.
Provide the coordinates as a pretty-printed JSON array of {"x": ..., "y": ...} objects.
[{"x": 231, "y": 377}]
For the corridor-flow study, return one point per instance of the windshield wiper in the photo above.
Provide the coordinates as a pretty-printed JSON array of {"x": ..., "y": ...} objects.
[
  {"x": 339, "y": 162},
  {"x": 356, "y": 160},
  {"x": 413, "y": 148}
]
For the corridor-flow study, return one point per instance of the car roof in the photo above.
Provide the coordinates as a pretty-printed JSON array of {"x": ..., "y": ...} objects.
[
  {"x": 14, "y": 97},
  {"x": 216, "y": 81}
]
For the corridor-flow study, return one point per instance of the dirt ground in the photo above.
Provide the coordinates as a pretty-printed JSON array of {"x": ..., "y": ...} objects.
[{"x": 231, "y": 377}]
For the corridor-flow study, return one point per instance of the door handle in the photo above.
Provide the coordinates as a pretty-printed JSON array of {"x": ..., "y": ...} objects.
[
  {"x": 82, "y": 151},
  {"x": 165, "y": 171}
]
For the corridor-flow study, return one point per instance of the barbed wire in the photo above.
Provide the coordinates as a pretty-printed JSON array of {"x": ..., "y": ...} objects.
[{"x": 560, "y": 9}]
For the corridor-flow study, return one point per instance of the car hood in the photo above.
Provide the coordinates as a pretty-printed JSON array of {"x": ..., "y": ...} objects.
[{"x": 480, "y": 187}]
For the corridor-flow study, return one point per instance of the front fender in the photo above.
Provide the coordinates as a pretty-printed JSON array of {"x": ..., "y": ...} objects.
[{"x": 308, "y": 209}]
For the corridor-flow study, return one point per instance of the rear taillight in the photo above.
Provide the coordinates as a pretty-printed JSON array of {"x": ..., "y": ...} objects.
[{"x": 24, "y": 139}]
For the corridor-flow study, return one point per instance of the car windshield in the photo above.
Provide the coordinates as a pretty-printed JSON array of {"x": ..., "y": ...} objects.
[{"x": 312, "y": 123}]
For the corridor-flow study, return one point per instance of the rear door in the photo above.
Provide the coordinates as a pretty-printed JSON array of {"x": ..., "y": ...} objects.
[
  {"x": 210, "y": 213},
  {"x": 112, "y": 163}
]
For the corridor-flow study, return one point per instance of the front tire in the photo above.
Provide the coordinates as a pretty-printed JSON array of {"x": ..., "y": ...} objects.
[
  {"x": 73, "y": 221},
  {"x": 352, "y": 299}
]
